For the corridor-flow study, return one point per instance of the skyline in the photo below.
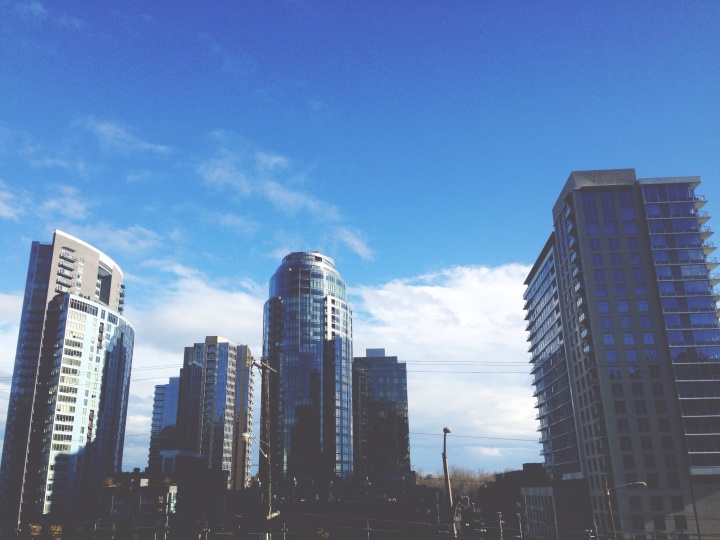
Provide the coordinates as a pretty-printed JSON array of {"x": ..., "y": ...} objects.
[{"x": 420, "y": 148}]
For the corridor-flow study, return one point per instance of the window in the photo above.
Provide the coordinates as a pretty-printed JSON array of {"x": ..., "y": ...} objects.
[
  {"x": 631, "y": 355},
  {"x": 617, "y": 389},
  {"x": 637, "y": 390},
  {"x": 603, "y": 306},
  {"x": 645, "y": 321},
  {"x": 611, "y": 355},
  {"x": 614, "y": 244},
  {"x": 646, "y": 442},
  {"x": 625, "y": 443},
  {"x": 661, "y": 406},
  {"x": 628, "y": 338},
  {"x": 640, "y": 407},
  {"x": 623, "y": 306},
  {"x": 625, "y": 322},
  {"x": 628, "y": 461},
  {"x": 601, "y": 290},
  {"x": 643, "y": 425},
  {"x": 621, "y": 289},
  {"x": 634, "y": 258},
  {"x": 620, "y": 407},
  {"x": 615, "y": 259},
  {"x": 642, "y": 305},
  {"x": 618, "y": 274},
  {"x": 637, "y": 274},
  {"x": 595, "y": 244},
  {"x": 632, "y": 242},
  {"x": 608, "y": 339},
  {"x": 640, "y": 289},
  {"x": 605, "y": 322},
  {"x": 623, "y": 425},
  {"x": 596, "y": 259},
  {"x": 599, "y": 274}
]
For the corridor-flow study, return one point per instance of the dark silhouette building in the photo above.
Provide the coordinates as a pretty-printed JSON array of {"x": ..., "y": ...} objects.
[{"x": 380, "y": 417}]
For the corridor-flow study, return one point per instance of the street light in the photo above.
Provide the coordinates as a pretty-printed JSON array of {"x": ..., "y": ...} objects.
[
  {"x": 450, "y": 506},
  {"x": 609, "y": 502},
  {"x": 268, "y": 493}
]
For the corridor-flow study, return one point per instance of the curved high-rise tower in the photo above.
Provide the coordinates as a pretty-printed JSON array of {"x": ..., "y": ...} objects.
[
  {"x": 308, "y": 341},
  {"x": 69, "y": 396}
]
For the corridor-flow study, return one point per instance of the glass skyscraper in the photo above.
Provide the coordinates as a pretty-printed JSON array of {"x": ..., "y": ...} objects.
[
  {"x": 163, "y": 429},
  {"x": 625, "y": 351},
  {"x": 68, "y": 401},
  {"x": 381, "y": 432},
  {"x": 308, "y": 342}
]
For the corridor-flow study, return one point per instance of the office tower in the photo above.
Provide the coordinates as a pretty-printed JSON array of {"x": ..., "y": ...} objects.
[
  {"x": 308, "y": 342},
  {"x": 381, "y": 432},
  {"x": 68, "y": 401},
  {"x": 163, "y": 429},
  {"x": 215, "y": 406},
  {"x": 625, "y": 350}
]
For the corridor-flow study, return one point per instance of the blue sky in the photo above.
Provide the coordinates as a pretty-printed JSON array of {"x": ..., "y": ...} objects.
[{"x": 420, "y": 144}]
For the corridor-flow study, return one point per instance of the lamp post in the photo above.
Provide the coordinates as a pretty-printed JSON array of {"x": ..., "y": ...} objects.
[
  {"x": 609, "y": 502},
  {"x": 265, "y": 370},
  {"x": 450, "y": 506}
]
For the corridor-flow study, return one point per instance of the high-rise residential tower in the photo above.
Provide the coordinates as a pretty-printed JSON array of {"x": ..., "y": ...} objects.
[
  {"x": 163, "y": 429},
  {"x": 308, "y": 342},
  {"x": 215, "y": 406},
  {"x": 68, "y": 401},
  {"x": 625, "y": 350},
  {"x": 381, "y": 432}
]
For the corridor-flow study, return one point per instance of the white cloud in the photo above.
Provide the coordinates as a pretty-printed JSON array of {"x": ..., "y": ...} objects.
[
  {"x": 268, "y": 161},
  {"x": 114, "y": 137},
  {"x": 11, "y": 207},
  {"x": 238, "y": 224},
  {"x": 291, "y": 202},
  {"x": 355, "y": 241},
  {"x": 226, "y": 171},
  {"x": 32, "y": 10},
  {"x": 68, "y": 203},
  {"x": 132, "y": 240},
  {"x": 461, "y": 332}
]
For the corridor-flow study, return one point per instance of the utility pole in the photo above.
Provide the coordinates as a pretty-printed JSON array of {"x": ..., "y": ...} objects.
[
  {"x": 500, "y": 523},
  {"x": 265, "y": 437},
  {"x": 450, "y": 506}
]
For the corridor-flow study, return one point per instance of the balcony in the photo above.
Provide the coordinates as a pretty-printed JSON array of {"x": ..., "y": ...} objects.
[
  {"x": 66, "y": 265},
  {"x": 67, "y": 256}
]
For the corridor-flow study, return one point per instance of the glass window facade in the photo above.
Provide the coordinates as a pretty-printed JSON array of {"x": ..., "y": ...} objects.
[
  {"x": 308, "y": 341},
  {"x": 68, "y": 400}
]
